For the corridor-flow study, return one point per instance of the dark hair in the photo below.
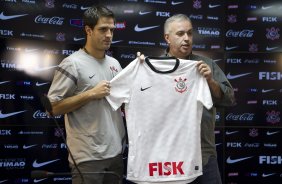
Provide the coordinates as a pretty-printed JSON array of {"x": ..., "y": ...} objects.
[{"x": 93, "y": 13}]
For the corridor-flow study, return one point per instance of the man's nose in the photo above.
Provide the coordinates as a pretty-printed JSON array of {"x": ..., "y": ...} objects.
[
  {"x": 186, "y": 36},
  {"x": 109, "y": 33}
]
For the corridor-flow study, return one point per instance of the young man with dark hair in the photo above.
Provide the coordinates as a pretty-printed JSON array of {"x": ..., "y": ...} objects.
[{"x": 95, "y": 133}]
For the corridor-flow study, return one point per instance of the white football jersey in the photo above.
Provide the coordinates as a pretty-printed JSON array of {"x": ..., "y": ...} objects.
[{"x": 164, "y": 99}]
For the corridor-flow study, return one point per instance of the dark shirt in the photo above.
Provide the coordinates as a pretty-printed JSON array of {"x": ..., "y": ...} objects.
[{"x": 208, "y": 117}]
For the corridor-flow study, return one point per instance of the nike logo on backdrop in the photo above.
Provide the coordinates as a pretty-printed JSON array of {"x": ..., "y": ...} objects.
[
  {"x": 144, "y": 13},
  {"x": 272, "y": 133},
  {"x": 266, "y": 175},
  {"x": 117, "y": 41},
  {"x": 39, "y": 180},
  {"x": 232, "y": 161},
  {"x": 7, "y": 17},
  {"x": 267, "y": 90},
  {"x": 41, "y": 84},
  {"x": 176, "y": 2},
  {"x": 84, "y": 8},
  {"x": 36, "y": 165},
  {"x": 229, "y": 133},
  {"x": 214, "y": 5},
  {"x": 27, "y": 147},
  {"x": 271, "y": 48},
  {"x": 143, "y": 89},
  {"x": 140, "y": 29},
  {"x": 266, "y": 7},
  {"x": 9, "y": 114},
  {"x": 230, "y": 48},
  {"x": 77, "y": 39},
  {"x": 218, "y": 144},
  {"x": 3, "y": 82},
  {"x": 229, "y": 76}
]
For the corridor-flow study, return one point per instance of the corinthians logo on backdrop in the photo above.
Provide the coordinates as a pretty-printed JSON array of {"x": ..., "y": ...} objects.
[{"x": 180, "y": 85}]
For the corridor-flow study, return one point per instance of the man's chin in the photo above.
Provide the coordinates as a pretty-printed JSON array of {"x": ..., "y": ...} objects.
[{"x": 186, "y": 52}]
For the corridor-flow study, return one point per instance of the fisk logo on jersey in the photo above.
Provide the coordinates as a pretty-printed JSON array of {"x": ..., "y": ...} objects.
[
  {"x": 166, "y": 168},
  {"x": 180, "y": 85}
]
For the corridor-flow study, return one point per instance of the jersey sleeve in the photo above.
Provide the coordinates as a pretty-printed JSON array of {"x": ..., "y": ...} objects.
[
  {"x": 121, "y": 85},
  {"x": 204, "y": 95},
  {"x": 64, "y": 82}
]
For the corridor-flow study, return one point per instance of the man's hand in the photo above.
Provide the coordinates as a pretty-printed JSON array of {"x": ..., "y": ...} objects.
[
  {"x": 141, "y": 57},
  {"x": 101, "y": 90},
  {"x": 204, "y": 70}
]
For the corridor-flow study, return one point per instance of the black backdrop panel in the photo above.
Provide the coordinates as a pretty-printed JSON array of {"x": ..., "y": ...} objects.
[
  {"x": 254, "y": 26},
  {"x": 138, "y": 23},
  {"x": 256, "y": 79},
  {"x": 242, "y": 37}
]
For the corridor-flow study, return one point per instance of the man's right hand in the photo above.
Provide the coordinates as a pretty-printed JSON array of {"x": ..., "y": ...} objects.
[{"x": 101, "y": 90}]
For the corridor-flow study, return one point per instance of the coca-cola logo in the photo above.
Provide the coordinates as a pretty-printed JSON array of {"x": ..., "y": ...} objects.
[
  {"x": 52, "y": 20},
  {"x": 240, "y": 117},
  {"x": 42, "y": 115},
  {"x": 245, "y": 33}
]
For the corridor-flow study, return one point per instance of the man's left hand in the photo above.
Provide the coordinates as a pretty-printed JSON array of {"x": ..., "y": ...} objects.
[
  {"x": 204, "y": 70},
  {"x": 141, "y": 57}
]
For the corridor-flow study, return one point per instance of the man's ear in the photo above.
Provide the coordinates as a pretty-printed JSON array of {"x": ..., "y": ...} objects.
[
  {"x": 88, "y": 30},
  {"x": 166, "y": 37}
]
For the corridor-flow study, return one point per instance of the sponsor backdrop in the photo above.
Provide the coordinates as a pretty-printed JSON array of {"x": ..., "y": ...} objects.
[{"x": 243, "y": 38}]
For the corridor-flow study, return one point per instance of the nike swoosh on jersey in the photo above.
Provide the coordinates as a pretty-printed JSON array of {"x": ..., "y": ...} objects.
[
  {"x": 143, "y": 89},
  {"x": 29, "y": 146},
  {"x": 90, "y": 77},
  {"x": 229, "y": 76},
  {"x": 140, "y": 29},
  {"x": 3, "y": 181},
  {"x": 176, "y": 2},
  {"x": 232, "y": 161},
  {"x": 36, "y": 165},
  {"x": 9, "y": 114},
  {"x": 7, "y": 17},
  {"x": 272, "y": 133},
  {"x": 41, "y": 84}
]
